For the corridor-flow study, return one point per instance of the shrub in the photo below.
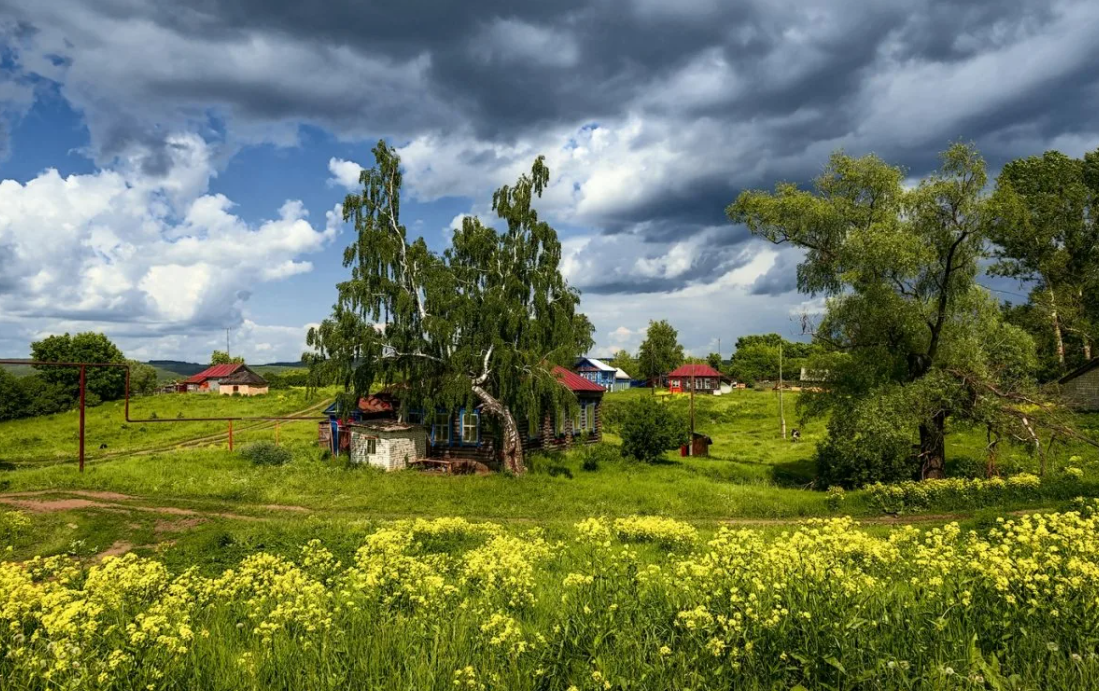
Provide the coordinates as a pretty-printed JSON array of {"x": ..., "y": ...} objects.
[
  {"x": 663, "y": 531},
  {"x": 1074, "y": 472},
  {"x": 266, "y": 453},
  {"x": 870, "y": 442},
  {"x": 836, "y": 497},
  {"x": 592, "y": 455},
  {"x": 650, "y": 428},
  {"x": 13, "y": 525},
  {"x": 953, "y": 492}
]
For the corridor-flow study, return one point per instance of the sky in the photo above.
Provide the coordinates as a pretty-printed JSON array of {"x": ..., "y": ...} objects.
[{"x": 172, "y": 170}]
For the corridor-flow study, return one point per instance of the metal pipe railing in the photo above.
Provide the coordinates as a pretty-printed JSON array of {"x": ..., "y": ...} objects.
[{"x": 83, "y": 384}]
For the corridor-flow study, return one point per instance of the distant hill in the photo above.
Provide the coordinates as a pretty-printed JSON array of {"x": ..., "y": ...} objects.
[
  {"x": 178, "y": 367},
  {"x": 19, "y": 370}
]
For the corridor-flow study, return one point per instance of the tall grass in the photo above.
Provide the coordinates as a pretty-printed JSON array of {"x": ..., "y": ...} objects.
[{"x": 448, "y": 604}]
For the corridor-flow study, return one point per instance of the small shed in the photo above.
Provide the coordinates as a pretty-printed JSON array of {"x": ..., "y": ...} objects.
[
  {"x": 699, "y": 446},
  {"x": 1080, "y": 387},
  {"x": 386, "y": 443}
]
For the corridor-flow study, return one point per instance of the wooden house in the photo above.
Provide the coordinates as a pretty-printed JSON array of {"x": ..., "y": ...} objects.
[
  {"x": 597, "y": 372},
  {"x": 704, "y": 378},
  {"x": 210, "y": 379},
  {"x": 465, "y": 433},
  {"x": 1080, "y": 387},
  {"x": 622, "y": 380}
]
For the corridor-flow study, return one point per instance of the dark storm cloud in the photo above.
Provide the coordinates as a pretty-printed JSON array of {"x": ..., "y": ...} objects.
[
  {"x": 744, "y": 93},
  {"x": 781, "y": 277}
]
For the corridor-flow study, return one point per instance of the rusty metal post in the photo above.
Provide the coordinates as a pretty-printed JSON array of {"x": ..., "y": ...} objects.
[
  {"x": 83, "y": 385},
  {"x": 230, "y": 435}
]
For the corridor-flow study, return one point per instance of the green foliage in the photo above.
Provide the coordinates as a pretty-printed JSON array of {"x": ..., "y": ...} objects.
[
  {"x": 660, "y": 352},
  {"x": 266, "y": 453},
  {"x": 43, "y": 397},
  {"x": 870, "y": 441},
  {"x": 1044, "y": 226},
  {"x": 143, "y": 378},
  {"x": 714, "y": 360},
  {"x": 487, "y": 319},
  {"x": 952, "y": 493},
  {"x": 221, "y": 357},
  {"x": 108, "y": 383},
  {"x": 906, "y": 319},
  {"x": 624, "y": 361},
  {"x": 756, "y": 358},
  {"x": 650, "y": 428},
  {"x": 13, "y": 401}
]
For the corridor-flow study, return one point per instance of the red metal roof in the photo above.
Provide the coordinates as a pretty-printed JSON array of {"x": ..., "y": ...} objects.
[
  {"x": 691, "y": 370},
  {"x": 574, "y": 381},
  {"x": 214, "y": 372}
]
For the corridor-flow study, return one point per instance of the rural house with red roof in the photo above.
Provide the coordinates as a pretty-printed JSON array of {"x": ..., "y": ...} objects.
[
  {"x": 464, "y": 434},
  {"x": 233, "y": 378},
  {"x": 704, "y": 378}
]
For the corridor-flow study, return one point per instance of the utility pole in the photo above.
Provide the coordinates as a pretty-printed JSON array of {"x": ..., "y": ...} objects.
[
  {"x": 691, "y": 441},
  {"x": 227, "y": 353},
  {"x": 781, "y": 412}
]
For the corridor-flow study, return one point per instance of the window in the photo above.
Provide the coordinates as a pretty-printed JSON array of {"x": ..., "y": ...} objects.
[
  {"x": 416, "y": 417},
  {"x": 235, "y": 388},
  {"x": 675, "y": 382},
  {"x": 582, "y": 418},
  {"x": 440, "y": 428},
  {"x": 470, "y": 428},
  {"x": 371, "y": 447},
  {"x": 591, "y": 417}
]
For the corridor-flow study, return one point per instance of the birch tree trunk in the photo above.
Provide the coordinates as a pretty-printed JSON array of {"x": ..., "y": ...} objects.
[
  {"x": 513, "y": 447},
  {"x": 1057, "y": 328}
]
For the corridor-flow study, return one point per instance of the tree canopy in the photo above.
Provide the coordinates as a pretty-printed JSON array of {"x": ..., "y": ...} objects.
[
  {"x": 1045, "y": 226},
  {"x": 660, "y": 352},
  {"x": 624, "y": 361},
  {"x": 106, "y": 383},
  {"x": 221, "y": 357},
  {"x": 484, "y": 322},
  {"x": 914, "y": 339}
]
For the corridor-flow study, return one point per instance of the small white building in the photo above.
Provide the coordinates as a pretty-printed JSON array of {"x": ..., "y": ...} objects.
[{"x": 387, "y": 443}]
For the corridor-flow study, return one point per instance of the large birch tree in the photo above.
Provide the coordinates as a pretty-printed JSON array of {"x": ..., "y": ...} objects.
[{"x": 481, "y": 323}]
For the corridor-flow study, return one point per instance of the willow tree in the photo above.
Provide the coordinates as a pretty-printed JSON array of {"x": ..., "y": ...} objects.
[
  {"x": 914, "y": 340},
  {"x": 482, "y": 323}
]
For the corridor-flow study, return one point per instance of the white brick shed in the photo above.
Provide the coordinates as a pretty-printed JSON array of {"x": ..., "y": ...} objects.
[{"x": 386, "y": 443}]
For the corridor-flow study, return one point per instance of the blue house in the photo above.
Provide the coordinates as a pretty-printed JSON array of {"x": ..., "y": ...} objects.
[{"x": 596, "y": 371}]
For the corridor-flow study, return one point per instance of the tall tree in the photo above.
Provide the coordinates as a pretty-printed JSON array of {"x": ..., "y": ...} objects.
[
  {"x": 483, "y": 322},
  {"x": 221, "y": 357},
  {"x": 625, "y": 362},
  {"x": 660, "y": 352},
  {"x": 914, "y": 335},
  {"x": 1043, "y": 225},
  {"x": 108, "y": 383},
  {"x": 714, "y": 360}
]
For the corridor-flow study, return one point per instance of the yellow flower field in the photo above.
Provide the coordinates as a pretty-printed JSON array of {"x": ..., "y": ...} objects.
[{"x": 637, "y": 603}]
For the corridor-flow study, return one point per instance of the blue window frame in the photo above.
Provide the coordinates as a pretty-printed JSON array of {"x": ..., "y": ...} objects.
[{"x": 440, "y": 428}]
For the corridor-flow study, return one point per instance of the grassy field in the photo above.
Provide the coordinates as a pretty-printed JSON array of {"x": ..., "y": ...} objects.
[
  {"x": 54, "y": 438},
  {"x": 696, "y": 574}
]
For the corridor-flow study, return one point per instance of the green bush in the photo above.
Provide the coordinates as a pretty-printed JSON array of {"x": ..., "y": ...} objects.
[
  {"x": 592, "y": 455},
  {"x": 867, "y": 443},
  {"x": 952, "y": 493},
  {"x": 266, "y": 453},
  {"x": 650, "y": 428}
]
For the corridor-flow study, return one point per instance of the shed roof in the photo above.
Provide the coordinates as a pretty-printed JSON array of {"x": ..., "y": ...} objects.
[
  {"x": 245, "y": 376},
  {"x": 694, "y": 370},
  {"x": 1082, "y": 369},
  {"x": 574, "y": 381},
  {"x": 620, "y": 373},
  {"x": 214, "y": 372}
]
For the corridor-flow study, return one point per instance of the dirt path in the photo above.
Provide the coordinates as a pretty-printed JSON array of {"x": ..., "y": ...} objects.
[{"x": 52, "y": 501}]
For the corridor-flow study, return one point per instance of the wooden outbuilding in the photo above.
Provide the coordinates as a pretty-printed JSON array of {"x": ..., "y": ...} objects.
[{"x": 1080, "y": 387}]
